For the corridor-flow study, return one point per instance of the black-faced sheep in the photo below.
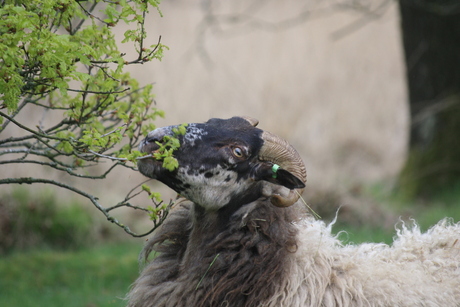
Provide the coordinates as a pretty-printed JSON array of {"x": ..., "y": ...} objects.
[{"x": 242, "y": 238}]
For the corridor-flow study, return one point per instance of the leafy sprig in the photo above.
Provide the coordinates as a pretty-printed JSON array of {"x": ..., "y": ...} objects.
[{"x": 60, "y": 58}]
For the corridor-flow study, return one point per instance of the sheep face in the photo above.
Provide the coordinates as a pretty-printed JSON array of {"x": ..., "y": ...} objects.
[{"x": 220, "y": 162}]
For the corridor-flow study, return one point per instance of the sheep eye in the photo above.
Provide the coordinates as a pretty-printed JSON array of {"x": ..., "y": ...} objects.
[{"x": 238, "y": 152}]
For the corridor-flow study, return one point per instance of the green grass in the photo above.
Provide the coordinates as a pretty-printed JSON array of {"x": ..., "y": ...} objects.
[
  {"x": 101, "y": 276},
  {"x": 350, "y": 234},
  {"x": 425, "y": 212},
  {"x": 87, "y": 278}
]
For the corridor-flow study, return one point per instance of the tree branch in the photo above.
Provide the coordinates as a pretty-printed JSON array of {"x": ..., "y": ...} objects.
[
  {"x": 105, "y": 105},
  {"x": 92, "y": 198},
  {"x": 38, "y": 135},
  {"x": 24, "y": 102},
  {"x": 61, "y": 167}
]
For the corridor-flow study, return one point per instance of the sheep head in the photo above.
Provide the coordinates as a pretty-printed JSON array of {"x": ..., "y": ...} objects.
[{"x": 227, "y": 161}]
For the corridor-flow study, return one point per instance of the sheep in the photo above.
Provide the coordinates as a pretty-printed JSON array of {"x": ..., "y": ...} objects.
[{"x": 240, "y": 236}]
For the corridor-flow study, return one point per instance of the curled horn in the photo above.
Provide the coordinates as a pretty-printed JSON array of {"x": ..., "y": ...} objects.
[
  {"x": 278, "y": 151},
  {"x": 254, "y": 122}
]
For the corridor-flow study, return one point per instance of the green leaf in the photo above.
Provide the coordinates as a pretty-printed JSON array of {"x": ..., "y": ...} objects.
[
  {"x": 146, "y": 188},
  {"x": 170, "y": 163}
]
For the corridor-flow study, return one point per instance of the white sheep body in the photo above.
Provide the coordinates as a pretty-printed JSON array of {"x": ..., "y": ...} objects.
[{"x": 418, "y": 269}]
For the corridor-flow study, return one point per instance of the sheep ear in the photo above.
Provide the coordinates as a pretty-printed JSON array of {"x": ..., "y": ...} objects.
[
  {"x": 277, "y": 175},
  {"x": 285, "y": 178}
]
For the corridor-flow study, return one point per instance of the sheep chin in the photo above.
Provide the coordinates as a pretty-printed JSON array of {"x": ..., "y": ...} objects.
[
  {"x": 209, "y": 192},
  {"x": 150, "y": 167}
]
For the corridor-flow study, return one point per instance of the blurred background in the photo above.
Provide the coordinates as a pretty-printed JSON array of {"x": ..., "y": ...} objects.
[{"x": 361, "y": 88}]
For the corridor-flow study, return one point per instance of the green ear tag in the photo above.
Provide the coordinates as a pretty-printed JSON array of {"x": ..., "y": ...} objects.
[{"x": 275, "y": 168}]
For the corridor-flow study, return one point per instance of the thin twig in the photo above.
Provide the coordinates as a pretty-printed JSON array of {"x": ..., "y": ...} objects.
[
  {"x": 24, "y": 102},
  {"x": 113, "y": 131},
  {"x": 58, "y": 166},
  {"x": 107, "y": 157},
  {"x": 118, "y": 159},
  {"x": 97, "y": 92},
  {"x": 30, "y": 130},
  {"x": 92, "y": 198},
  {"x": 128, "y": 196}
]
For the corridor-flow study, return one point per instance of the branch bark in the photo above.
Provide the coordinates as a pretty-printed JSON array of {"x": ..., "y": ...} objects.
[{"x": 94, "y": 200}]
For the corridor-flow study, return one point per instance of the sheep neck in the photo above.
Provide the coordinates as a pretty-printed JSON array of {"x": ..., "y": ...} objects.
[{"x": 247, "y": 254}]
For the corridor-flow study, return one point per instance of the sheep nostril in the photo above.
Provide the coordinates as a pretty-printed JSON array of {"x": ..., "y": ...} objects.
[{"x": 155, "y": 136}]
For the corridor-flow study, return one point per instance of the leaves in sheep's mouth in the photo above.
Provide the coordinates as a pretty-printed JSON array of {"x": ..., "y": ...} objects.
[{"x": 168, "y": 162}]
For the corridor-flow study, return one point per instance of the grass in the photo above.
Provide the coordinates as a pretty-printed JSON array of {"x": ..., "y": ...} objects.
[
  {"x": 101, "y": 276},
  {"x": 87, "y": 278},
  {"x": 425, "y": 212},
  {"x": 371, "y": 233},
  {"x": 356, "y": 235}
]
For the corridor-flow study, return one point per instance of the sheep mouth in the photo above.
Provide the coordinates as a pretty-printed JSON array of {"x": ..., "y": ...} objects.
[
  {"x": 148, "y": 147},
  {"x": 151, "y": 152},
  {"x": 148, "y": 165}
]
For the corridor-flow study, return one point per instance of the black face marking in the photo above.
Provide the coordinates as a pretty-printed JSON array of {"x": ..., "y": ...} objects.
[{"x": 211, "y": 172}]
